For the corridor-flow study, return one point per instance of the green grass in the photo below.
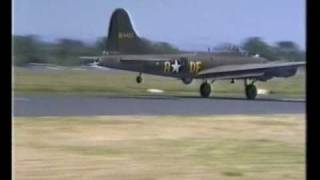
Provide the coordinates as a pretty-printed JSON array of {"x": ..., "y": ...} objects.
[
  {"x": 123, "y": 82},
  {"x": 160, "y": 147}
]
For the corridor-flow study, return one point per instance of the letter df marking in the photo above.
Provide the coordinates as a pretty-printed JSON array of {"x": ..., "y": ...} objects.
[{"x": 195, "y": 66}]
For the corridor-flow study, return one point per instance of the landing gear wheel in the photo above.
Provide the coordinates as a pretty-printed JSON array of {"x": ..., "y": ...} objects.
[
  {"x": 205, "y": 89},
  {"x": 251, "y": 91},
  {"x": 139, "y": 79}
]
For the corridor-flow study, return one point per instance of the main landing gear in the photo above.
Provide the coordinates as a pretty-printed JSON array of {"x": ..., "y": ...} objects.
[
  {"x": 250, "y": 89},
  {"x": 205, "y": 89},
  {"x": 139, "y": 79}
]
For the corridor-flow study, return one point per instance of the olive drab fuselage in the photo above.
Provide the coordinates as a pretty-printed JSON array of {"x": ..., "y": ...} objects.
[{"x": 179, "y": 66}]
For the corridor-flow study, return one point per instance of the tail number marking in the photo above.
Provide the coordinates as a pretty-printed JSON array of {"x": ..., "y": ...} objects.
[{"x": 125, "y": 35}]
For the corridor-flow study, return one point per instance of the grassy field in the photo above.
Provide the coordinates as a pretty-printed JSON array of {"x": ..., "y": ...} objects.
[
  {"x": 152, "y": 147},
  {"x": 123, "y": 82}
]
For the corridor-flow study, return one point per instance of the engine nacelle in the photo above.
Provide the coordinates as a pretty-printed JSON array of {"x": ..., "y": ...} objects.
[
  {"x": 278, "y": 73},
  {"x": 284, "y": 72}
]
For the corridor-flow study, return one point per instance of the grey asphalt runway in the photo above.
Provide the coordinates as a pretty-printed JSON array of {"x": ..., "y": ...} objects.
[{"x": 79, "y": 105}]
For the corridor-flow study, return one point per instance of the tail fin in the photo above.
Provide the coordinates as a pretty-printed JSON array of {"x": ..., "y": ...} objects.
[{"x": 121, "y": 36}]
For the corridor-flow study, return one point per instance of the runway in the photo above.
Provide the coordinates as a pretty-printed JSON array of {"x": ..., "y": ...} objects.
[{"x": 80, "y": 105}]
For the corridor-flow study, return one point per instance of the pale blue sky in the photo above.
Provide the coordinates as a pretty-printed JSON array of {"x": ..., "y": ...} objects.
[{"x": 188, "y": 24}]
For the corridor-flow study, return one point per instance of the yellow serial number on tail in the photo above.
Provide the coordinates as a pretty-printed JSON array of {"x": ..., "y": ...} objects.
[{"x": 125, "y": 35}]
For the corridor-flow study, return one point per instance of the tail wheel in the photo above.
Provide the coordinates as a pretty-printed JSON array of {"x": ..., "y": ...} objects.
[
  {"x": 251, "y": 91},
  {"x": 205, "y": 89},
  {"x": 139, "y": 79}
]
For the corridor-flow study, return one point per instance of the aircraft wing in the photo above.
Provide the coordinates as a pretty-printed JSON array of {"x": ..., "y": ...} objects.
[
  {"x": 142, "y": 59},
  {"x": 246, "y": 70}
]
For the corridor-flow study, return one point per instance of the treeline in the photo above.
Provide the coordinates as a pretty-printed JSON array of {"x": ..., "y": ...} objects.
[
  {"x": 31, "y": 49},
  {"x": 281, "y": 50}
]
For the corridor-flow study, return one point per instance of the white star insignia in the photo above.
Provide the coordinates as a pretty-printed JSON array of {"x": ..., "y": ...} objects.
[{"x": 175, "y": 66}]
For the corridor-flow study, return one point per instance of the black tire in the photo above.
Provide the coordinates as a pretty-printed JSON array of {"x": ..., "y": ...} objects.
[
  {"x": 139, "y": 79},
  {"x": 251, "y": 91},
  {"x": 205, "y": 90}
]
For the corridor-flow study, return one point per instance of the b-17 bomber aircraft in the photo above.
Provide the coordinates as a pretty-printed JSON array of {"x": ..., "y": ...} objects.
[{"x": 126, "y": 51}]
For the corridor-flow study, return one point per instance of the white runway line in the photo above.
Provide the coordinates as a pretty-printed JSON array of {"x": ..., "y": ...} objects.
[
  {"x": 79, "y": 69},
  {"x": 21, "y": 99},
  {"x": 55, "y": 68}
]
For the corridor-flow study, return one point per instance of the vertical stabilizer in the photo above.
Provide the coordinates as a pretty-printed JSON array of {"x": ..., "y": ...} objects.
[{"x": 121, "y": 36}]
